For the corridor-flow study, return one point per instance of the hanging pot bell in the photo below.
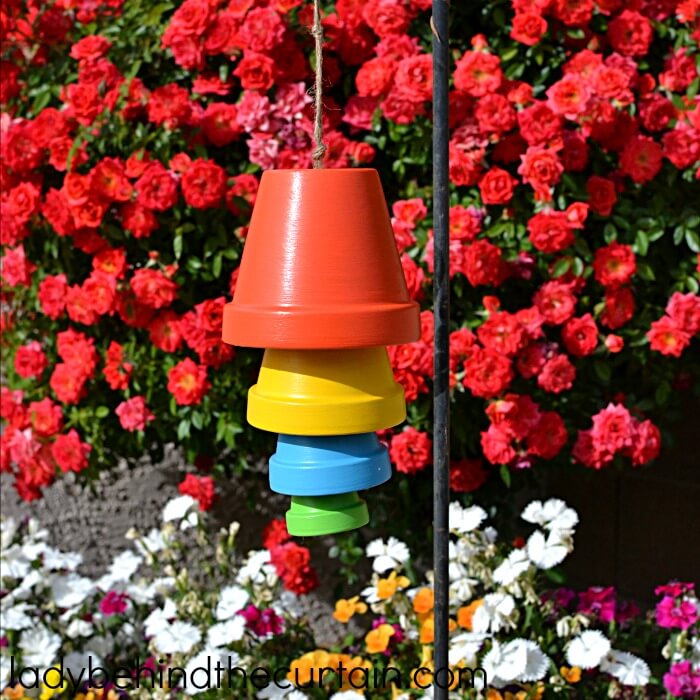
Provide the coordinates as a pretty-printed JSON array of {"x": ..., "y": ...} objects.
[{"x": 321, "y": 287}]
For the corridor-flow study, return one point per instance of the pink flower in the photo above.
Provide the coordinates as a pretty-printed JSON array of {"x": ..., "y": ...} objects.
[
  {"x": 134, "y": 414},
  {"x": 113, "y": 603},
  {"x": 682, "y": 681},
  {"x": 676, "y": 614}
]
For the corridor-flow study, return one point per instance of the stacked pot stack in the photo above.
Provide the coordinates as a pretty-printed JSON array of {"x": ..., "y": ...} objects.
[{"x": 321, "y": 288}]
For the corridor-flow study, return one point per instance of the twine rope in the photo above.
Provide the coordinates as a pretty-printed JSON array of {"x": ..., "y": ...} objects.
[{"x": 317, "y": 32}]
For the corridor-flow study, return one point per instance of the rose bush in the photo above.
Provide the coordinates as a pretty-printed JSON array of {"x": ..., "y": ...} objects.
[{"x": 133, "y": 136}]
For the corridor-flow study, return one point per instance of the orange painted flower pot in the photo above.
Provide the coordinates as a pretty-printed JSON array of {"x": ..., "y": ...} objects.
[{"x": 320, "y": 267}]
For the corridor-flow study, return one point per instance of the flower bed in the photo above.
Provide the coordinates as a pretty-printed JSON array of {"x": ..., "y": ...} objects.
[{"x": 244, "y": 609}]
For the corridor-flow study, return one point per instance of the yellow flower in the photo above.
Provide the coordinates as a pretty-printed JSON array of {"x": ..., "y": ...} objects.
[
  {"x": 465, "y": 614},
  {"x": 15, "y": 693},
  {"x": 345, "y": 609},
  {"x": 98, "y": 694},
  {"x": 570, "y": 675},
  {"x": 423, "y": 601},
  {"x": 378, "y": 639},
  {"x": 386, "y": 587},
  {"x": 53, "y": 685},
  {"x": 305, "y": 669},
  {"x": 492, "y": 694},
  {"x": 350, "y": 663}
]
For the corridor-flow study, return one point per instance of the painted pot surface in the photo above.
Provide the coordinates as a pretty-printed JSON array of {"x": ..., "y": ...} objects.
[
  {"x": 326, "y": 392},
  {"x": 320, "y": 268}
]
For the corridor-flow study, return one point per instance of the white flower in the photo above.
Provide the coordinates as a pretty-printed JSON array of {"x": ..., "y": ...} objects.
[
  {"x": 176, "y": 508},
  {"x": 39, "y": 646},
  {"x": 151, "y": 543},
  {"x": 15, "y": 618},
  {"x": 537, "y": 661},
  {"x": 348, "y": 695},
  {"x": 54, "y": 560},
  {"x": 122, "y": 568},
  {"x": 231, "y": 600},
  {"x": 464, "y": 520},
  {"x": 5, "y": 670},
  {"x": 176, "y": 637},
  {"x": 14, "y": 562},
  {"x": 274, "y": 692},
  {"x": 160, "y": 618},
  {"x": 504, "y": 663},
  {"x": 8, "y": 529},
  {"x": 28, "y": 582},
  {"x": 200, "y": 672},
  {"x": 78, "y": 662},
  {"x": 288, "y": 603},
  {"x": 554, "y": 515},
  {"x": 464, "y": 647},
  {"x": 223, "y": 633},
  {"x": 515, "y": 564},
  {"x": 389, "y": 555},
  {"x": 627, "y": 668},
  {"x": 496, "y": 612},
  {"x": 546, "y": 553},
  {"x": 79, "y": 628},
  {"x": 257, "y": 569},
  {"x": 588, "y": 649},
  {"x": 71, "y": 590}
]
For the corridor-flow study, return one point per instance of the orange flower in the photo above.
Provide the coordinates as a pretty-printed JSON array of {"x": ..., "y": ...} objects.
[
  {"x": 465, "y": 614},
  {"x": 386, "y": 587},
  {"x": 15, "y": 693},
  {"x": 345, "y": 609},
  {"x": 378, "y": 639},
  {"x": 303, "y": 671},
  {"x": 427, "y": 629},
  {"x": 570, "y": 675},
  {"x": 423, "y": 601}
]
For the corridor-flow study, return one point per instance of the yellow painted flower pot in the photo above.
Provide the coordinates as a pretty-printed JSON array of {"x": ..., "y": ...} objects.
[{"x": 326, "y": 392}]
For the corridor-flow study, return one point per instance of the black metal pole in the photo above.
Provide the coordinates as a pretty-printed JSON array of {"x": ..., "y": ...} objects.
[{"x": 441, "y": 309}]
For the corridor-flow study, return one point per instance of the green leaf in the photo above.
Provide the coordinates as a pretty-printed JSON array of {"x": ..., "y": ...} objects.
[
  {"x": 505, "y": 475},
  {"x": 101, "y": 412},
  {"x": 602, "y": 370},
  {"x": 177, "y": 245},
  {"x": 663, "y": 392},
  {"x": 693, "y": 240},
  {"x": 561, "y": 267}
]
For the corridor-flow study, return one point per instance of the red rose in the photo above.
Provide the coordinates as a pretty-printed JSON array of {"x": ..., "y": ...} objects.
[
  {"x": 478, "y": 73},
  {"x": 614, "y": 343},
  {"x": 79, "y": 306},
  {"x": 52, "y": 292},
  {"x": 580, "y": 335},
  {"x": 164, "y": 331},
  {"x": 204, "y": 184},
  {"x": 90, "y": 48},
  {"x": 619, "y": 307},
  {"x": 46, "y": 417},
  {"x": 656, "y": 112},
  {"x": 557, "y": 375},
  {"x": 630, "y": 33},
  {"x": 170, "y": 106},
  {"x": 68, "y": 383},
  {"x": 602, "y": 195},
  {"x": 487, "y": 373},
  {"x": 684, "y": 309},
  {"x": 549, "y": 436},
  {"x": 108, "y": 180},
  {"x": 496, "y": 445},
  {"x": 515, "y": 414},
  {"x": 483, "y": 263},
  {"x": 495, "y": 114},
  {"x": 614, "y": 264},
  {"x": 134, "y": 414},
  {"x": 502, "y": 333},
  {"x": 569, "y": 96},
  {"x": 192, "y": 17},
  {"x": 465, "y": 222},
  {"x": 23, "y": 201},
  {"x": 555, "y": 301},
  {"x": 497, "y": 186},
  {"x": 77, "y": 350},
  {"x": 111, "y": 261},
  {"x": 116, "y": 371},
  {"x": 139, "y": 221},
  {"x": 156, "y": 189},
  {"x": 398, "y": 108},
  {"x": 292, "y": 563},
  {"x": 550, "y": 231},
  {"x": 641, "y": 159},
  {"x": 219, "y": 123},
  {"x": 646, "y": 444},
  {"x": 261, "y": 30},
  {"x": 573, "y": 13},
  {"x": 411, "y": 451},
  {"x": 15, "y": 268},
  {"x": 467, "y": 475},
  {"x": 201, "y": 488},
  {"x": 667, "y": 337},
  {"x": 70, "y": 453},
  {"x": 30, "y": 360},
  {"x": 153, "y": 289},
  {"x": 386, "y": 17},
  {"x": 187, "y": 382},
  {"x": 414, "y": 276},
  {"x": 100, "y": 290},
  {"x": 414, "y": 77},
  {"x": 84, "y": 102},
  {"x": 255, "y": 71},
  {"x": 539, "y": 125},
  {"x": 275, "y": 533},
  {"x": 682, "y": 146},
  {"x": 528, "y": 28},
  {"x": 541, "y": 168}
]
